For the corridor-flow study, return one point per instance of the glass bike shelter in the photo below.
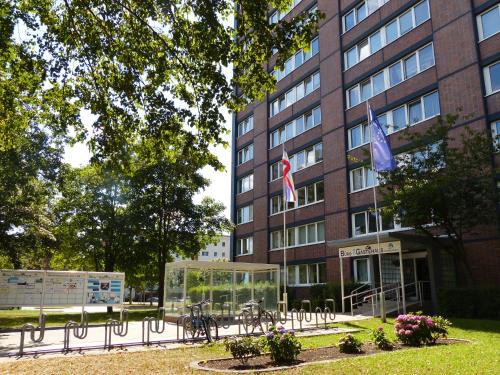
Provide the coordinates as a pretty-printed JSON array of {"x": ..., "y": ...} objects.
[{"x": 228, "y": 285}]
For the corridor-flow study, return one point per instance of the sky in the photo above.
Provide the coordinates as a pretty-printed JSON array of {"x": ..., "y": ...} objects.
[{"x": 220, "y": 187}]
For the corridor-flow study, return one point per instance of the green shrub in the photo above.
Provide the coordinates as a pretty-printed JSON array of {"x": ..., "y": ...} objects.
[
  {"x": 475, "y": 303},
  {"x": 243, "y": 348},
  {"x": 283, "y": 346},
  {"x": 381, "y": 340},
  {"x": 349, "y": 344}
]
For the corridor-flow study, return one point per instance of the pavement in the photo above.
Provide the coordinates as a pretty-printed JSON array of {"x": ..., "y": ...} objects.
[{"x": 54, "y": 338}]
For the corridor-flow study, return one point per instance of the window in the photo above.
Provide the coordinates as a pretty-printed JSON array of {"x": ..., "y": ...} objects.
[
  {"x": 245, "y": 154},
  {"x": 295, "y": 94},
  {"x": 306, "y": 195},
  {"x": 277, "y": 16},
  {"x": 245, "y": 126},
  {"x": 244, "y": 246},
  {"x": 360, "y": 12},
  {"x": 495, "y": 129},
  {"x": 300, "y": 160},
  {"x": 425, "y": 108},
  {"x": 413, "y": 64},
  {"x": 299, "y": 236},
  {"x": 223, "y": 244},
  {"x": 296, "y": 127},
  {"x": 297, "y": 60},
  {"x": 307, "y": 274},
  {"x": 365, "y": 222},
  {"x": 388, "y": 33},
  {"x": 361, "y": 178},
  {"x": 488, "y": 23},
  {"x": 244, "y": 214},
  {"x": 215, "y": 253},
  {"x": 223, "y": 254},
  {"x": 362, "y": 270},
  {"x": 204, "y": 253},
  {"x": 244, "y": 184},
  {"x": 492, "y": 78}
]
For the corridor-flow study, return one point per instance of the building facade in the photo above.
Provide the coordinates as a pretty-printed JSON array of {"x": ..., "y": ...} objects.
[
  {"x": 217, "y": 251},
  {"x": 413, "y": 60}
]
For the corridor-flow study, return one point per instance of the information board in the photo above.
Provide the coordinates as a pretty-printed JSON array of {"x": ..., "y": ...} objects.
[{"x": 60, "y": 288}]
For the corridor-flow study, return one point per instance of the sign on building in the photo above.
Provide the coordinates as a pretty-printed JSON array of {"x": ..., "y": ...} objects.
[
  {"x": 60, "y": 288},
  {"x": 371, "y": 249}
]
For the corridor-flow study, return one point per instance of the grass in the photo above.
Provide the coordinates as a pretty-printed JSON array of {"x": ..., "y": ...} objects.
[
  {"x": 16, "y": 318},
  {"x": 480, "y": 357}
]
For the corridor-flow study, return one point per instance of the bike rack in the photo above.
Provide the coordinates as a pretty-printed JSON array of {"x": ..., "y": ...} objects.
[
  {"x": 147, "y": 325},
  {"x": 83, "y": 326},
  {"x": 32, "y": 330},
  {"x": 279, "y": 305},
  {"x": 115, "y": 327},
  {"x": 306, "y": 302}
]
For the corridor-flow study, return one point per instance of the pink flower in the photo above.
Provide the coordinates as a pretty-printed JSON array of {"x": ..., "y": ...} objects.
[
  {"x": 401, "y": 331},
  {"x": 408, "y": 332}
]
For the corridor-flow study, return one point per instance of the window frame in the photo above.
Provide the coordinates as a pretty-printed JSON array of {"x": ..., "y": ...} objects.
[
  {"x": 479, "y": 23},
  {"x": 246, "y": 124},
  {"x": 487, "y": 78},
  {"x": 296, "y": 230},
  {"x": 248, "y": 243},
  {"x": 296, "y": 205},
  {"x": 239, "y": 184},
  {"x": 293, "y": 161},
  {"x": 277, "y": 103},
  {"x": 293, "y": 123},
  {"x": 250, "y": 214},
  {"x": 242, "y": 152}
]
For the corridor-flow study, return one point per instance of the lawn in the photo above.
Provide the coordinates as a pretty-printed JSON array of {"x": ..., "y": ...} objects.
[
  {"x": 480, "y": 357},
  {"x": 16, "y": 318}
]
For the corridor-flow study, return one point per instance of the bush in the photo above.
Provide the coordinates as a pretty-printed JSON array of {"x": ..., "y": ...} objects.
[
  {"x": 243, "y": 348},
  {"x": 417, "y": 330},
  {"x": 349, "y": 344},
  {"x": 476, "y": 303},
  {"x": 381, "y": 340},
  {"x": 283, "y": 346}
]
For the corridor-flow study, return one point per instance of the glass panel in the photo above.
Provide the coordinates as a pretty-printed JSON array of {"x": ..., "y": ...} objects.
[
  {"x": 310, "y": 156},
  {"x": 318, "y": 151},
  {"x": 300, "y": 91},
  {"x": 299, "y": 125},
  {"x": 313, "y": 274},
  {"x": 366, "y": 90},
  {"x": 411, "y": 66},
  {"x": 375, "y": 42},
  {"x": 321, "y": 231},
  {"x": 383, "y": 123},
  {"x": 302, "y": 235},
  {"x": 490, "y": 22},
  {"x": 361, "y": 12},
  {"x": 391, "y": 31},
  {"x": 311, "y": 233},
  {"x": 357, "y": 179},
  {"x": 368, "y": 177},
  {"x": 309, "y": 86},
  {"x": 387, "y": 222},
  {"x": 426, "y": 57},
  {"x": 372, "y": 222},
  {"x": 289, "y": 66},
  {"x": 399, "y": 118},
  {"x": 495, "y": 77},
  {"x": 317, "y": 116},
  {"x": 415, "y": 112},
  {"x": 322, "y": 272},
  {"x": 362, "y": 270},
  {"x": 315, "y": 46},
  {"x": 291, "y": 236},
  {"x": 422, "y": 12},
  {"x": 309, "y": 121},
  {"x": 363, "y": 49},
  {"x": 405, "y": 22},
  {"x": 310, "y": 194},
  {"x": 431, "y": 105},
  {"x": 316, "y": 79},
  {"x": 320, "y": 191},
  {"x": 290, "y": 97},
  {"x": 290, "y": 131},
  {"x": 307, "y": 54},
  {"x": 291, "y": 275},
  {"x": 301, "y": 196},
  {"x": 298, "y": 59},
  {"x": 378, "y": 83},
  {"x": 349, "y": 20},
  {"x": 353, "y": 96},
  {"x": 395, "y": 74},
  {"x": 356, "y": 136},
  {"x": 352, "y": 57},
  {"x": 366, "y": 133},
  {"x": 359, "y": 224},
  {"x": 302, "y": 273}
]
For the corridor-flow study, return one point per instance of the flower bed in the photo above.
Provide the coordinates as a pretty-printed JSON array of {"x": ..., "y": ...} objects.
[{"x": 308, "y": 356}]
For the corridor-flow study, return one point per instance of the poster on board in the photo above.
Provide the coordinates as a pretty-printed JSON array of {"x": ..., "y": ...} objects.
[
  {"x": 104, "y": 289},
  {"x": 21, "y": 288},
  {"x": 64, "y": 288}
]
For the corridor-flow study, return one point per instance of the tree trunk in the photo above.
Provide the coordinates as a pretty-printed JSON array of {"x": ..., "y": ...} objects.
[{"x": 161, "y": 279}]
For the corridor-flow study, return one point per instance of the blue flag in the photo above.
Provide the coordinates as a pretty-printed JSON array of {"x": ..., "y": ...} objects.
[{"x": 383, "y": 159}]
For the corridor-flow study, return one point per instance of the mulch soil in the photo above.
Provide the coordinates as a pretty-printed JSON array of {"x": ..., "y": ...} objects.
[{"x": 308, "y": 355}]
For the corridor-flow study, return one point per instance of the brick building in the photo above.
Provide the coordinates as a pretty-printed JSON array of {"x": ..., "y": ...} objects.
[{"x": 414, "y": 60}]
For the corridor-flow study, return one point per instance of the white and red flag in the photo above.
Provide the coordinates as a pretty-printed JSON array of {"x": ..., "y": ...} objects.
[{"x": 288, "y": 186}]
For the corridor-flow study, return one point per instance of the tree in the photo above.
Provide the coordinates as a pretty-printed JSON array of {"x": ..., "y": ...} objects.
[
  {"x": 444, "y": 185},
  {"x": 167, "y": 221},
  {"x": 145, "y": 67}
]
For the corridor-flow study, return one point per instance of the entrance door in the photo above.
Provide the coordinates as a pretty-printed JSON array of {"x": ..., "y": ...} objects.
[{"x": 422, "y": 269}]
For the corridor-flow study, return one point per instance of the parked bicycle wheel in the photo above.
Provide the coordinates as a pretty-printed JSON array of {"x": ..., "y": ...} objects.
[
  {"x": 211, "y": 329},
  {"x": 189, "y": 327},
  {"x": 266, "y": 321},
  {"x": 248, "y": 321}
]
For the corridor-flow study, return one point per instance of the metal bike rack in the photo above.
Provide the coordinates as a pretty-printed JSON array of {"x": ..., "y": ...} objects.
[
  {"x": 80, "y": 330},
  {"x": 32, "y": 330},
  {"x": 115, "y": 327},
  {"x": 307, "y": 303},
  {"x": 147, "y": 325}
]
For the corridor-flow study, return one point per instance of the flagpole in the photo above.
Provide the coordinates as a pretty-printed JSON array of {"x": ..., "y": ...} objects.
[
  {"x": 285, "y": 238},
  {"x": 382, "y": 297}
]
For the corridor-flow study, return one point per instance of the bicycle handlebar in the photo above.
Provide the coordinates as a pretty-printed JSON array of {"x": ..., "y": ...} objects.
[{"x": 201, "y": 303}]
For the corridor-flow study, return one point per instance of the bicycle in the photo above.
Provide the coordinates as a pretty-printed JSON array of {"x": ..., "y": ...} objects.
[
  {"x": 262, "y": 319},
  {"x": 197, "y": 323}
]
